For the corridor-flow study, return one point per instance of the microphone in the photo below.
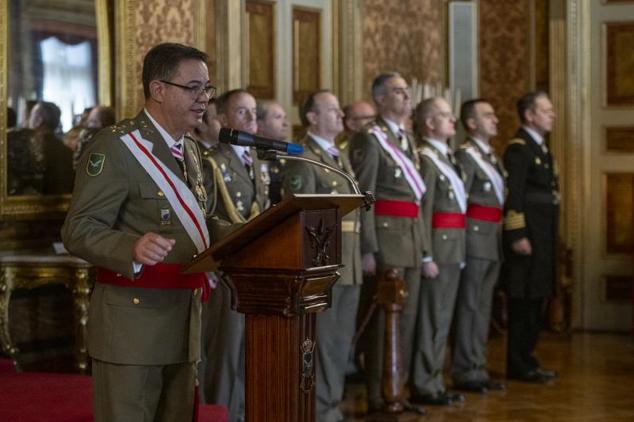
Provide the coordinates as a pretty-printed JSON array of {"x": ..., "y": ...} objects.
[{"x": 236, "y": 137}]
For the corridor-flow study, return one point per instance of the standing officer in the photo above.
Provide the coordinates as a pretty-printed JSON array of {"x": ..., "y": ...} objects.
[
  {"x": 335, "y": 327},
  {"x": 137, "y": 214},
  {"x": 530, "y": 234},
  {"x": 384, "y": 162},
  {"x": 444, "y": 207},
  {"x": 484, "y": 184},
  {"x": 273, "y": 124},
  {"x": 241, "y": 193}
]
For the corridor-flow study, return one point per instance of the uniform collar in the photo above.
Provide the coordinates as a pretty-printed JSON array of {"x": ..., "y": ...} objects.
[
  {"x": 239, "y": 149},
  {"x": 322, "y": 142},
  {"x": 539, "y": 139},
  {"x": 166, "y": 136},
  {"x": 484, "y": 146},
  {"x": 439, "y": 145},
  {"x": 394, "y": 127}
]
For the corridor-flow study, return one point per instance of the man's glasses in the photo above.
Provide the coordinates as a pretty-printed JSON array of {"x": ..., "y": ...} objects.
[{"x": 195, "y": 90}]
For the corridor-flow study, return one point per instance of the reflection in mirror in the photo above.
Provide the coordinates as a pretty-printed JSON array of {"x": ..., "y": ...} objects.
[{"x": 52, "y": 84}]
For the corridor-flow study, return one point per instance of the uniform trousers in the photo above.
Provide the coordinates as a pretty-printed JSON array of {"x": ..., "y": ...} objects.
[
  {"x": 223, "y": 351},
  {"x": 524, "y": 323},
  {"x": 472, "y": 318},
  {"x": 374, "y": 336},
  {"x": 334, "y": 329},
  {"x": 436, "y": 302},
  {"x": 143, "y": 393}
]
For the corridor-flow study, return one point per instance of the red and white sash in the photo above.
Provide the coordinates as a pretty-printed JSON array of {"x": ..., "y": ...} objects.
[
  {"x": 453, "y": 177},
  {"x": 494, "y": 176},
  {"x": 410, "y": 172},
  {"x": 182, "y": 200}
]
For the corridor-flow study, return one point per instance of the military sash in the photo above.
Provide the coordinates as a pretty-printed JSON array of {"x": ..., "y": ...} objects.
[
  {"x": 491, "y": 172},
  {"x": 176, "y": 192},
  {"x": 410, "y": 172},
  {"x": 451, "y": 175}
]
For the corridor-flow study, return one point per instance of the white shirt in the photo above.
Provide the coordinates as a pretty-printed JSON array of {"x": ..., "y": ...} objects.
[
  {"x": 166, "y": 136},
  {"x": 439, "y": 145},
  {"x": 323, "y": 142},
  {"x": 483, "y": 145}
]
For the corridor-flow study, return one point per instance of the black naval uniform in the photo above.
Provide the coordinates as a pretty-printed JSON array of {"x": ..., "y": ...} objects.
[{"x": 531, "y": 211}]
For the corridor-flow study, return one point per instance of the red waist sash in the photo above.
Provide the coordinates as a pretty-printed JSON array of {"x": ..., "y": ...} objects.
[
  {"x": 389, "y": 208},
  {"x": 159, "y": 276},
  {"x": 479, "y": 212},
  {"x": 448, "y": 220}
]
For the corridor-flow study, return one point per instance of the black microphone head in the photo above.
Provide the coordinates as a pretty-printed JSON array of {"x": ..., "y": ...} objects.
[{"x": 227, "y": 135}]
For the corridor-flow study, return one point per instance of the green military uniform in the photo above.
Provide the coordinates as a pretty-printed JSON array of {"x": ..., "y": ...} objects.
[
  {"x": 484, "y": 257},
  {"x": 239, "y": 194},
  {"x": 442, "y": 216},
  {"x": 396, "y": 241},
  {"x": 144, "y": 341},
  {"x": 531, "y": 211},
  {"x": 335, "y": 327}
]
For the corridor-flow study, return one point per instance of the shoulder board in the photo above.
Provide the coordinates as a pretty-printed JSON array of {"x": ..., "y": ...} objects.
[
  {"x": 123, "y": 127},
  {"x": 517, "y": 141}
]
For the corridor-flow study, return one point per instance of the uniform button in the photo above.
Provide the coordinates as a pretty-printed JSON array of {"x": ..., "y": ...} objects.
[
  {"x": 334, "y": 183},
  {"x": 118, "y": 274},
  {"x": 160, "y": 193},
  {"x": 385, "y": 224},
  {"x": 327, "y": 171},
  {"x": 444, "y": 237},
  {"x": 136, "y": 300},
  {"x": 238, "y": 194},
  {"x": 476, "y": 228}
]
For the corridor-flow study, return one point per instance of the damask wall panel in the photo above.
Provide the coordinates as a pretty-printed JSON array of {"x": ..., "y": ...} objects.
[
  {"x": 306, "y": 53},
  {"x": 619, "y": 63},
  {"x": 261, "y": 55},
  {"x": 405, "y": 36},
  {"x": 505, "y": 59}
]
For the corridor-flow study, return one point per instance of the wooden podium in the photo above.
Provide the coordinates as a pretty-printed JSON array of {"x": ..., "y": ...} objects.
[{"x": 281, "y": 267}]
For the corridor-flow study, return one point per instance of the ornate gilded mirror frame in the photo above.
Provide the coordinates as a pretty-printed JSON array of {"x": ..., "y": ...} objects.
[{"x": 32, "y": 206}]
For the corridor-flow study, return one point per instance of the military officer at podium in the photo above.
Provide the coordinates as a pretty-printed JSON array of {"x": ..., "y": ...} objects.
[
  {"x": 240, "y": 183},
  {"x": 335, "y": 326},
  {"x": 137, "y": 214},
  {"x": 484, "y": 184},
  {"x": 385, "y": 163}
]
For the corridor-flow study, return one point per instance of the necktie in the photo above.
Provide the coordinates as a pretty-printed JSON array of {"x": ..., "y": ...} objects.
[
  {"x": 333, "y": 151},
  {"x": 402, "y": 137},
  {"x": 454, "y": 163},
  {"x": 248, "y": 163},
  {"x": 177, "y": 151}
]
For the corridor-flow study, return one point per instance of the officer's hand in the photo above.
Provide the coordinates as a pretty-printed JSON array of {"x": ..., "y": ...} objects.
[
  {"x": 152, "y": 248},
  {"x": 522, "y": 246},
  {"x": 430, "y": 269},
  {"x": 368, "y": 264}
]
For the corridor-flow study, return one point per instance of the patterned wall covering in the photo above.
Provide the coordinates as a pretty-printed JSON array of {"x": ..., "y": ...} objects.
[
  {"x": 406, "y": 36},
  {"x": 157, "y": 21},
  {"x": 504, "y": 59}
]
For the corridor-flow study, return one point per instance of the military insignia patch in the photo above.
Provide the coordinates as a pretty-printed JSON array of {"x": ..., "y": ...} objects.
[
  {"x": 94, "y": 166},
  {"x": 166, "y": 217},
  {"x": 296, "y": 182}
]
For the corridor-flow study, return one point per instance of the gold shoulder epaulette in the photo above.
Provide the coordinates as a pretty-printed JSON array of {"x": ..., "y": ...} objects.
[
  {"x": 518, "y": 141},
  {"x": 514, "y": 220}
]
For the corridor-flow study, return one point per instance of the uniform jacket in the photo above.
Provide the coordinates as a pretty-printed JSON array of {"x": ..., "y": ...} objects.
[
  {"x": 301, "y": 177},
  {"x": 109, "y": 212},
  {"x": 397, "y": 241},
  {"x": 447, "y": 245},
  {"x": 532, "y": 211},
  {"x": 236, "y": 197},
  {"x": 484, "y": 238}
]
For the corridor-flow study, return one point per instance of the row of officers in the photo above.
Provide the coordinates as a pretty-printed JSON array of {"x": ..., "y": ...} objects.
[{"x": 452, "y": 222}]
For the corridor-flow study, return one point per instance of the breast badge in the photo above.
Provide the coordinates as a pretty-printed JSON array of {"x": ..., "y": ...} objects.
[
  {"x": 166, "y": 217},
  {"x": 487, "y": 186},
  {"x": 398, "y": 173}
]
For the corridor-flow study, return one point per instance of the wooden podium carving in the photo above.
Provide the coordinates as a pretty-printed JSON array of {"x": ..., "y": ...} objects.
[{"x": 281, "y": 268}]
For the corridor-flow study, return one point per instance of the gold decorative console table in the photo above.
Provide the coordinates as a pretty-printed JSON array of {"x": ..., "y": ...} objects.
[{"x": 31, "y": 271}]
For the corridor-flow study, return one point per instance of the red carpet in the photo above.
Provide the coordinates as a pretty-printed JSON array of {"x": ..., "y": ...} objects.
[{"x": 44, "y": 397}]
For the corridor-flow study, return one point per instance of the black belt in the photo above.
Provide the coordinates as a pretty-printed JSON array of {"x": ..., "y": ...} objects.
[{"x": 542, "y": 197}]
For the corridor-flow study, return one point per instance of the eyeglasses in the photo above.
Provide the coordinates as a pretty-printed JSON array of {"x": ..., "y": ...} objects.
[{"x": 195, "y": 90}]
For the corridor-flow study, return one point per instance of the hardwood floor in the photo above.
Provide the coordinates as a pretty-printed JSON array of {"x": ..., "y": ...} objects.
[{"x": 596, "y": 383}]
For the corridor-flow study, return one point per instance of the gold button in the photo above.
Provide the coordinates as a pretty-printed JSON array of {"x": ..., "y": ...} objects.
[
  {"x": 334, "y": 183},
  {"x": 136, "y": 300},
  {"x": 444, "y": 237},
  {"x": 385, "y": 224},
  {"x": 238, "y": 194},
  {"x": 476, "y": 228},
  {"x": 160, "y": 193}
]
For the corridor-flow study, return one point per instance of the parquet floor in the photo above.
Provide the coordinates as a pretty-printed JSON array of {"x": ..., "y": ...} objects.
[{"x": 596, "y": 383}]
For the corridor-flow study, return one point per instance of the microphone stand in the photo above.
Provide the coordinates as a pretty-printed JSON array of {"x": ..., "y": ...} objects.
[{"x": 272, "y": 155}]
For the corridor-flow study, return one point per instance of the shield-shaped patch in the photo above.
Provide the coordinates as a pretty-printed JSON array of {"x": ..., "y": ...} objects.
[{"x": 94, "y": 167}]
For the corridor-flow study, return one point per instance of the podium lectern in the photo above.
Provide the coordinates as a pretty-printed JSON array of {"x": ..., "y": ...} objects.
[{"x": 281, "y": 267}]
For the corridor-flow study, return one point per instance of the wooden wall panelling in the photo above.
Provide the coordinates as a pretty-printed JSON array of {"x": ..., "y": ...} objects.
[
  {"x": 619, "y": 207},
  {"x": 619, "y": 63},
  {"x": 619, "y": 139},
  {"x": 306, "y": 53},
  {"x": 260, "y": 32}
]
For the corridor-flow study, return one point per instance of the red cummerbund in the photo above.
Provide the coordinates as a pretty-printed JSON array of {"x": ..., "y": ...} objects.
[
  {"x": 479, "y": 212},
  {"x": 448, "y": 220},
  {"x": 159, "y": 276},
  {"x": 396, "y": 208}
]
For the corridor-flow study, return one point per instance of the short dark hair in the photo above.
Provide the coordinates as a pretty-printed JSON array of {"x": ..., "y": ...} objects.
[
  {"x": 467, "y": 110},
  {"x": 50, "y": 114},
  {"x": 309, "y": 105},
  {"x": 222, "y": 101},
  {"x": 162, "y": 61},
  {"x": 12, "y": 118},
  {"x": 528, "y": 102},
  {"x": 378, "y": 84}
]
